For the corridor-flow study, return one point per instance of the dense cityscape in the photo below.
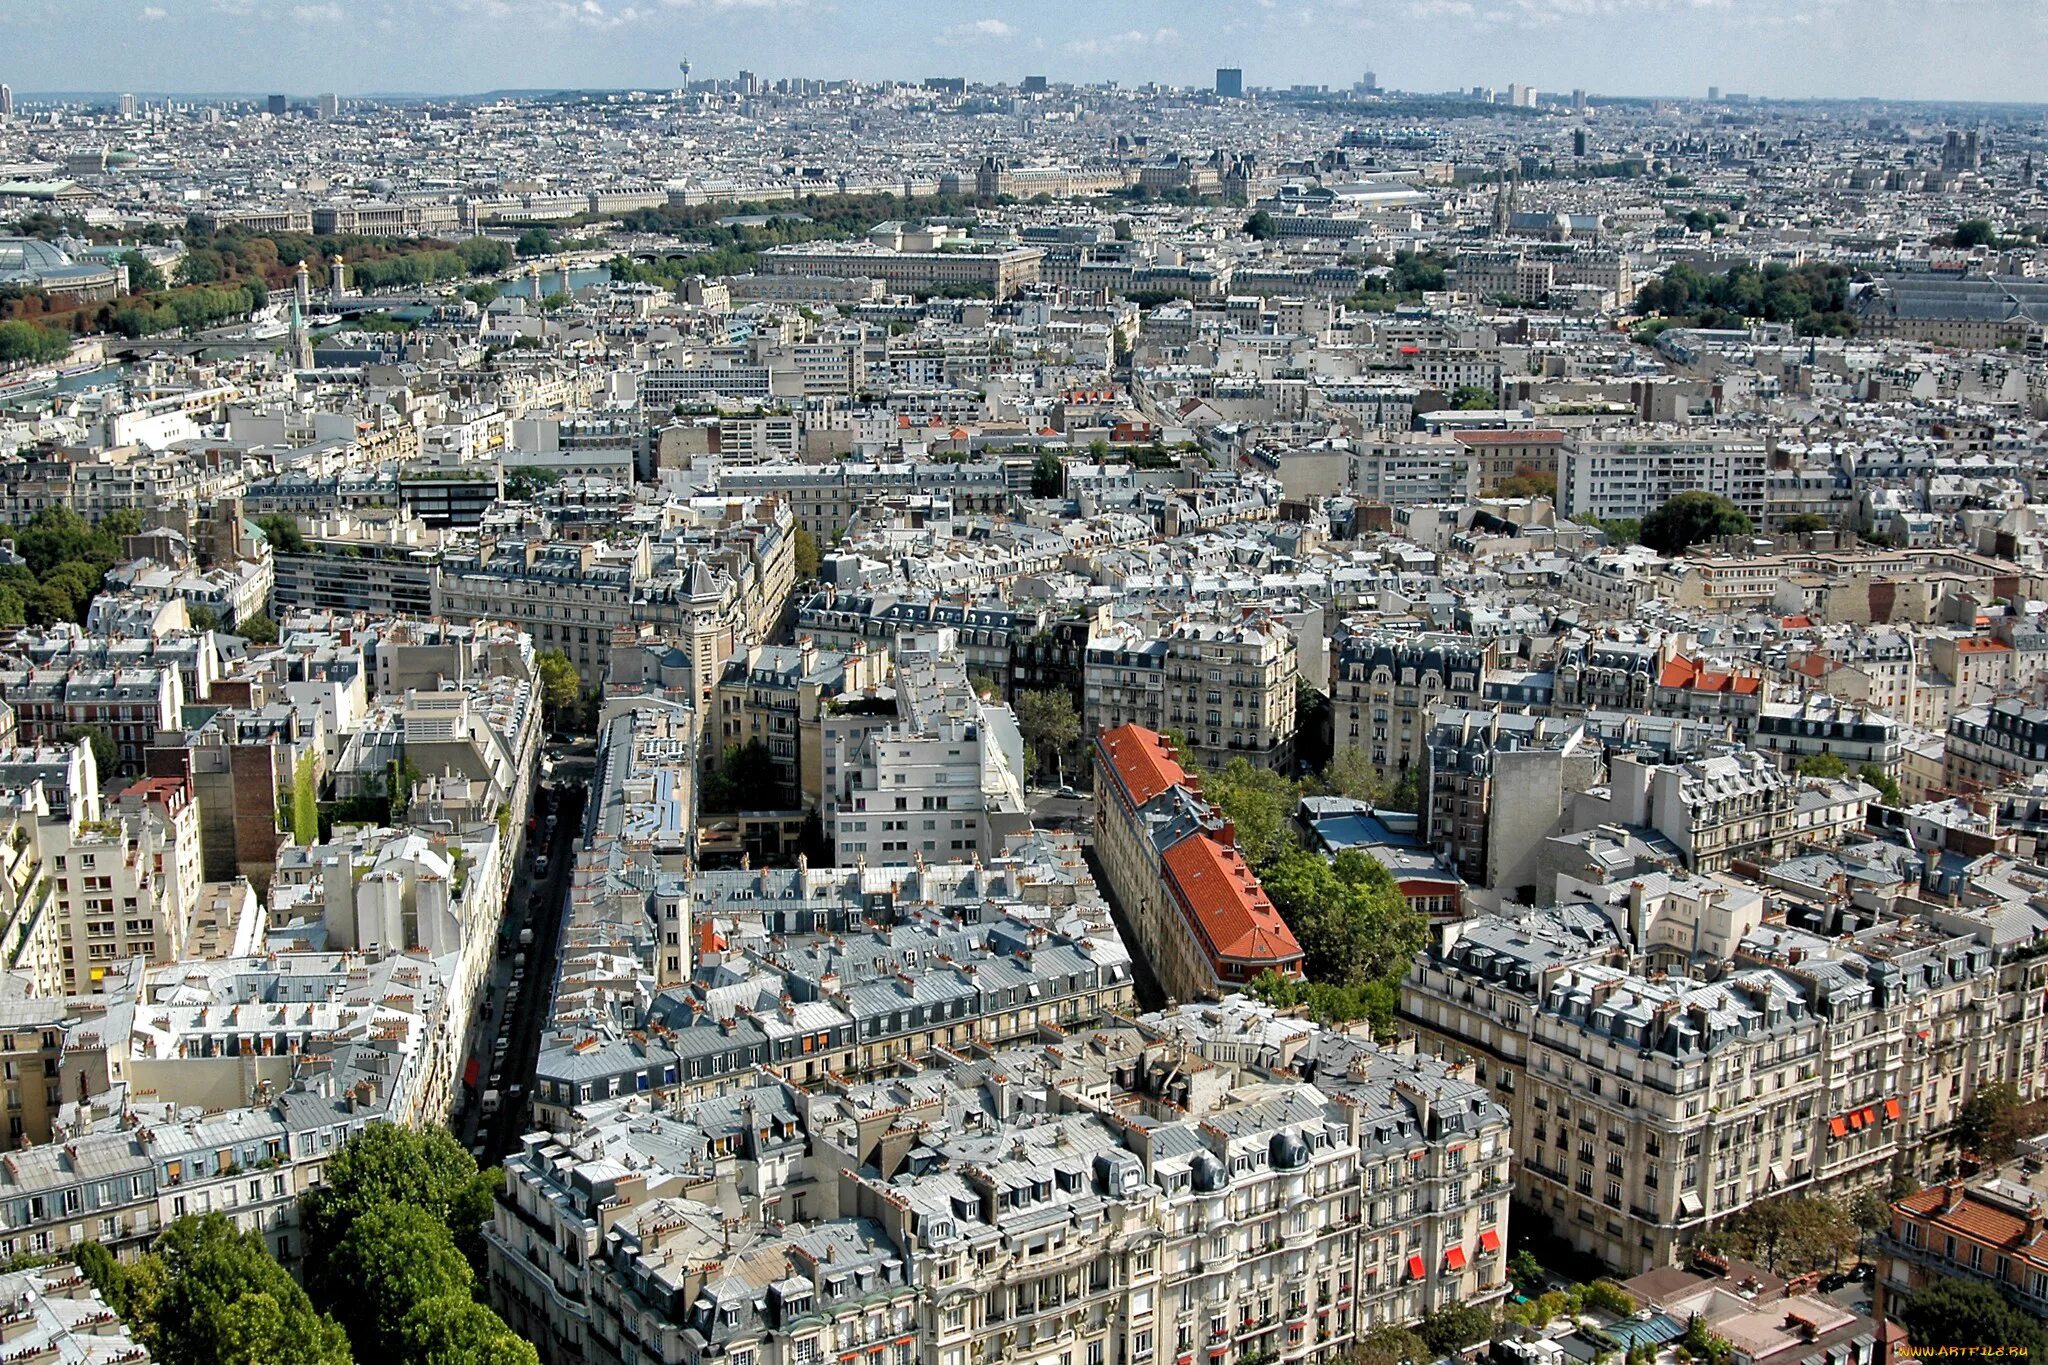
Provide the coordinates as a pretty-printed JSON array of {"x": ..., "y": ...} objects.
[{"x": 793, "y": 721}]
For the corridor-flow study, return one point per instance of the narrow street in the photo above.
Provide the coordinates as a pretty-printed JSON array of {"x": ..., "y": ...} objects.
[{"x": 534, "y": 903}]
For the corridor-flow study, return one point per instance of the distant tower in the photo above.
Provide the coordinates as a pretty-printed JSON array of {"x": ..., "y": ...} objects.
[
  {"x": 302, "y": 341},
  {"x": 1578, "y": 142},
  {"x": 533, "y": 281},
  {"x": 337, "y": 278},
  {"x": 302, "y": 288},
  {"x": 1230, "y": 82},
  {"x": 6, "y": 101},
  {"x": 562, "y": 277},
  {"x": 686, "y": 75}
]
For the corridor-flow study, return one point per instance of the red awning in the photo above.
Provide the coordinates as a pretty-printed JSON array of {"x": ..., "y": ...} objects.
[
  {"x": 1855, "y": 1118},
  {"x": 1416, "y": 1269},
  {"x": 1455, "y": 1258},
  {"x": 1489, "y": 1240},
  {"x": 1417, "y": 1155},
  {"x": 1891, "y": 1110},
  {"x": 1870, "y": 1113},
  {"x": 471, "y": 1072},
  {"x": 1838, "y": 1127}
]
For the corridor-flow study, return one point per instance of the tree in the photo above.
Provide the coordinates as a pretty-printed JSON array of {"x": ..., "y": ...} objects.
[
  {"x": 1257, "y": 802},
  {"x": 535, "y": 241},
  {"x": 257, "y": 630},
  {"x": 1350, "y": 773},
  {"x": 1605, "y": 1296},
  {"x": 1822, "y": 765},
  {"x": 388, "y": 1164},
  {"x": 104, "y": 754},
  {"x": 1803, "y": 523},
  {"x": 746, "y": 779},
  {"x": 1956, "y": 1312},
  {"x": 1454, "y": 1327},
  {"x": 1349, "y": 916},
  {"x": 806, "y": 554},
  {"x": 393, "y": 1258},
  {"x": 143, "y": 277},
  {"x": 1887, "y": 786},
  {"x": 202, "y": 617},
  {"x": 1471, "y": 398},
  {"x": 560, "y": 684},
  {"x": 1049, "y": 721},
  {"x": 1792, "y": 1234},
  {"x": 1048, "y": 476},
  {"x": 1620, "y": 530},
  {"x": 1259, "y": 227},
  {"x": 1995, "y": 1120},
  {"x": 223, "y": 1299},
  {"x": 1974, "y": 232},
  {"x": 303, "y": 808},
  {"x": 1690, "y": 518},
  {"x": 281, "y": 529},
  {"x": 460, "y": 1331},
  {"x": 483, "y": 295},
  {"x": 1389, "y": 1345},
  {"x": 1528, "y": 482}
]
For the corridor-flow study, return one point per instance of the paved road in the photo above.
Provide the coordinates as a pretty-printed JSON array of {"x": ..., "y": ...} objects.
[
  {"x": 1049, "y": 810},
  {"x": 534, "y": 903}
]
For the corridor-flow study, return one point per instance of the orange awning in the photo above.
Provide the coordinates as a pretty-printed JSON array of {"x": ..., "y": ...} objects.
[
  {"x": 1416, "y": 1269},
  {"x": 1455, "y": 1258},
  {"x": 1489, "y": 1240},
  {"x": 1838, "y": 1127},
  {"x": 1891, "y": 1110},
  {"x": 1870, "y": 1113}
]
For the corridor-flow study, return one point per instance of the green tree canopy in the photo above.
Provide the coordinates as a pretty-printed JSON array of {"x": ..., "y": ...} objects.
[
  {"x": 281, "y": 529},
  {"x": 1454, "y": 1327},
  {"x": 1257, "y": 802},
  {"x": 1390, "y": 1345},
  {"x": 1690, "y": 518},
  {"x": 1974, "y": 232},
  {"x": 805, "y": 553},
  {"x": 746, "y": 779},
  {"x": 1352, "y": 922},
  {"x": 392, "y": 1259},
  {"x": 1822, "y": 765},
  {"x": 1791, "y": 1234},
  {"x": 223, "y": 1299},
  {"x": 257, "y": 630},
  {"x": 561, "y": 686},
  {"x": 1259, "y": 227},
  {"x": 1050, "y": 724},
  {"x": 1471, "y": 398},
  {"x": 1957, "y": 1312},
  {"x": 387, "y": 1164},
  {"x": 454, "y": 1330},
  {"x": 104, "y": 755},
  {"x": 1048, "y": 476}
]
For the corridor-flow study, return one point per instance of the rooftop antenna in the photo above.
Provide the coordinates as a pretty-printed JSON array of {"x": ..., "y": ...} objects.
[{"x": 686, "y": 75}]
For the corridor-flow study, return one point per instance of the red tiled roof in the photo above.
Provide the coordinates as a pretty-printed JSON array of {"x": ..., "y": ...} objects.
[
  {"x": 1510, "y": 438},
  {"x": 1978, "y": 644},
  {"x": 1689, "y": 673},
  {"x": 1215, "y": 885},
  {"x": 1142, "y": 761}
]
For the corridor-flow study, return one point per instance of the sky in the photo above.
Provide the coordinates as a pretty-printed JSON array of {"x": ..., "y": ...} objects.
[{"x": 1897, "y": 49}]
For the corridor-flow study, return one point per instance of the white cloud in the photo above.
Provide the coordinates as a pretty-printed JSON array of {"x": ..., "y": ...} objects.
[
  {"x": 152, "y": 13},
  {"x": 329, "y": 13},
  {"x": 1113, "y": 44},
  {"x": 977, "y": 31}
]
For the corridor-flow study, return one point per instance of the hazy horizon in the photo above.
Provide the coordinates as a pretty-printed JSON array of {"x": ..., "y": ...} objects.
[{"x": 1907, "y": 50}]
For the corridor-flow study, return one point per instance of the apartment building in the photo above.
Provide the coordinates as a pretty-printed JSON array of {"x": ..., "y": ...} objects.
[
  {"x": 131, "y": 705},
  {"x": 1990, "y": 745},
  {"x": 777, "y": 696},
  {"x": 1189, "y": 1192},
  {"x": 1988, "y": 1230},
  {"x": 824, "y": 499},
  {"x": 1385, "y": 689},
  {"x": 1170, "y": 861},
  {"x": 1610, "y": 472},
  {"x": 1496, "y": 785},
  {"x": 997, "y": 273},
  {"x": 1735, "y": 803},
  {"x": 1819, "y": 724},
  {"x": 1230, "y": 687},
  {"x": 1646, "y": 1110},
  {"x": 937, "y": 775}
]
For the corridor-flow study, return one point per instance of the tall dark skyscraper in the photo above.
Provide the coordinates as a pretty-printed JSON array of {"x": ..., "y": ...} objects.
[{"x": 1230, "y": 82}]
